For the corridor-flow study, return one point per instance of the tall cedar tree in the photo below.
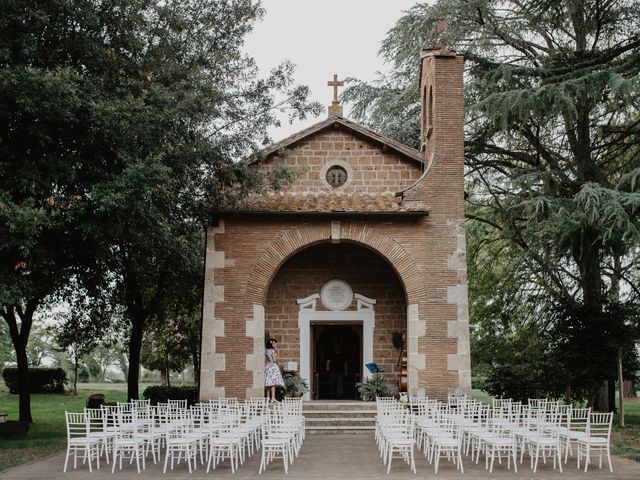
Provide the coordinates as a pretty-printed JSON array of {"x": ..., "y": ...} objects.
[
  {"x": 552, "y": 133},
  {"x": 119, "y": 121}
]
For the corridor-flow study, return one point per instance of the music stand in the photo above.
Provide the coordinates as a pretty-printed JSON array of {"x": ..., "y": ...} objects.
[{"x": 374, "y": 368}]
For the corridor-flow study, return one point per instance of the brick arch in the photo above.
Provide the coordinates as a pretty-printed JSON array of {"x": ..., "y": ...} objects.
[{"x": 298, "y": 239}]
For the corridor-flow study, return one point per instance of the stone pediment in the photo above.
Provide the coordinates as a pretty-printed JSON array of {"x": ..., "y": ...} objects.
[{"x": 336, "y": 122}]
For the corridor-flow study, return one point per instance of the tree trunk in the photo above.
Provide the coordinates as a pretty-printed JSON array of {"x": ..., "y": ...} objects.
[
  {"x": 124, "y": 366},
  {"x": 621, "y": 384},
  {"x": 601, "y": 398},
  {"x": 75, "y": 376},
  {"x": 24, "y": 383},
  {"x": 166, "y": 368},
  {"x": 19, "y": 338},
  {"x": 611, "y": 391},
  {"x": 163, "y": 377},
  {"x": 135, "y": 346},
  {"x": 196, "y": 366},
  {"x": 629, "y": 389}
]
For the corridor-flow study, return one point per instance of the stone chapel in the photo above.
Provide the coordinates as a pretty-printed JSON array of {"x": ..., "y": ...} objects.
[{"x": 362, "y": 257}]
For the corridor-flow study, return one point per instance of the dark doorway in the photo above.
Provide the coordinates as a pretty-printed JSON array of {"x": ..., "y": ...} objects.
[{"x": 337, "y": 360}]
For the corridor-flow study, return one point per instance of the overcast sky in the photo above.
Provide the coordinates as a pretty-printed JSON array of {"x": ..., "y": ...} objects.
[{"x": 323, "y": 37}]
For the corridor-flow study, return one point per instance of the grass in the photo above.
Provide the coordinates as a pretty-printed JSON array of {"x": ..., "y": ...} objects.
[
  {"x": 47, "y": 434},
  {"x": 625, "y": 442}
]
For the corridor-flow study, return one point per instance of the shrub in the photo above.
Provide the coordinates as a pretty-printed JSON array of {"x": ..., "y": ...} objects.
[
  {"x": 41, "y": 379},
  {"x": 161, "y": 394},
  {"x": 14, "y": 430},
  {"x": 295, "y": 385},
  {"x": 374, "y": 387}
]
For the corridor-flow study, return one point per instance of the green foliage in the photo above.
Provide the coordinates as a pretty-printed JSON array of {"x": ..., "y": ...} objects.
[
  {"x": 121, "y": 125},
  {"x": 42, "y": 379},
  {"x": 40, "y": 345},
  {"x": 6, "y": 349},
  {"x": 552, "y": 163},
  {"x": 165, "y": 347},
  {"x": 295, "y": 386},
  {"x": 376, "y": 386},
  {"x": 161, "y": 394}
]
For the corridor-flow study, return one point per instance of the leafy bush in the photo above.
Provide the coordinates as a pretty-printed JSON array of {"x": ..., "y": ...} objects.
[
  {"x": 41, "y": 379},
  {"x": 295, "y": 385},
  {"x": 161, "y": 394},
  {"x": 374, "y": 387},
  {"x": 13, "y": 430}
]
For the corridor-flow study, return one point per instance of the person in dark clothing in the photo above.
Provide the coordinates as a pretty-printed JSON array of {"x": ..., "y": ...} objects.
[{"x": 337, "y": 369}]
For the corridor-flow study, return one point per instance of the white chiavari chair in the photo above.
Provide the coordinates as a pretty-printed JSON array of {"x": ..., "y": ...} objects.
[
  {"x": 79, "y": 443},
  {"x": 277, "y": 440},
  {"x": 127, "y": 443},
  {"x": 97, "y": 428},
  {"x": 181, "y": 442},
  {"x": 576, "y": 429},
  {"x": 597, "y": 440},
  {"x": 400, "y": 440}
]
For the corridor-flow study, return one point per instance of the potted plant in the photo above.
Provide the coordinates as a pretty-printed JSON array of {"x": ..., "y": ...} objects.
[
  {"x": 294, "y": 385},
  {"x": 376, "y": 386}
]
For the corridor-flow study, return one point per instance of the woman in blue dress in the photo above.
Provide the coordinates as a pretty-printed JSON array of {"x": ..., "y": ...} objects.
[{"x": 272, "y": 375}]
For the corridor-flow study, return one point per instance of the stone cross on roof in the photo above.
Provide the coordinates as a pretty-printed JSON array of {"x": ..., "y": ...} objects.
[{"x": 335, "y": 109}]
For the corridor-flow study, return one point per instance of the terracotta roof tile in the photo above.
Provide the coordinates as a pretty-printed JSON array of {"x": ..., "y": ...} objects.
[{"x": 327, "y": 203}]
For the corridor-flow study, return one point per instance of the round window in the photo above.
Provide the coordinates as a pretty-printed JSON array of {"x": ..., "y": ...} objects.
[{"x": 336, "y": 176}]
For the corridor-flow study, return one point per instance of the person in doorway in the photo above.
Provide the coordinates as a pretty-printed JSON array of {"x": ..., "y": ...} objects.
[
  {"x": 337, "y": 368},
  {"x": 272, "y": 374}
]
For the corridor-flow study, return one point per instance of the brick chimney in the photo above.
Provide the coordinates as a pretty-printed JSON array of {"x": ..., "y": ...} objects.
[{"x": 442, "y": 104}]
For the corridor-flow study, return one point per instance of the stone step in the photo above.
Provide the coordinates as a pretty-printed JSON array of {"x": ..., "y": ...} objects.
[
  {"x": 339, "y": 413},
  {"x": 339, "y": 420},
  {"x": 341, "y": 417},
  {"x": 315, "y": 430},
  {"x": 343, "y": 406}
]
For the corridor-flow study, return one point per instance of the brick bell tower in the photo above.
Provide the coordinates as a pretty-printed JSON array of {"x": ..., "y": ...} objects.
[{"x": 442, "y": 189}]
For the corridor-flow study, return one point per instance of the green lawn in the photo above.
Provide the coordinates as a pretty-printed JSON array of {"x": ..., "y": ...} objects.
[{"x": 47, "y": 433}]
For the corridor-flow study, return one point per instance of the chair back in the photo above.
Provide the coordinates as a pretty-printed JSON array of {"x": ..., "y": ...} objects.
[
  {"x": 76, "y": 425},
  {"x": 600, "y": 425},
  {"x": 94, "y": 419}
]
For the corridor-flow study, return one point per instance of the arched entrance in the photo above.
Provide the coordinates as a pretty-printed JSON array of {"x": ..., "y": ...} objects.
[{"x": 330, "y": 346}]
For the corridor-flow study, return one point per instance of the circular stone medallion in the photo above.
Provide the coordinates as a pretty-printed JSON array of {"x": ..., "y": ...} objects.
[
  {"x": 336, "y": 176},
  {"x": 336, "y": 295}
]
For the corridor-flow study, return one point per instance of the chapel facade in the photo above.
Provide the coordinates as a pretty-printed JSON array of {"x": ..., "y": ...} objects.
[{"x": 361, "y": 258}]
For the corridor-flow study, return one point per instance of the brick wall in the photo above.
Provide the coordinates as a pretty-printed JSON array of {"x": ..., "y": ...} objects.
[
  {"x": 366, "y": 272},
  {"x": 371, "y": 169},
  {"x": 243, "y": 286}
]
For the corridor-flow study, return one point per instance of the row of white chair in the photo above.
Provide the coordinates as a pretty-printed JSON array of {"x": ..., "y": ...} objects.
[
  {"x": 214, "y": 431},
  {"x": 462, "y": 426}
]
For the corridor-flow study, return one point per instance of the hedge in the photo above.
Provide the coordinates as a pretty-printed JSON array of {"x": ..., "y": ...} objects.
[
  {"x": 42, "y": 379},
  {"x": 161, "y": 394}
]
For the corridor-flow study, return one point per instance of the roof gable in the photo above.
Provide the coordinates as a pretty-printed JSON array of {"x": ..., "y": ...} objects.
[{"x": 339, "y": 122}]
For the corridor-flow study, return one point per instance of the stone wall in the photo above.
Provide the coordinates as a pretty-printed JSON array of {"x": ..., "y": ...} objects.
[
  {"x": 370, "y": 170},
  {"x": 367, "y": 273},
  {"x": 245, "y": 253}
]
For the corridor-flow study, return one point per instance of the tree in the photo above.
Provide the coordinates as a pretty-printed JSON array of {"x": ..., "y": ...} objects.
[
  {"x": 198, "y": 105},
  {"x": 100, "y": 359},
  {"x": 6, "y": 349},
  {"x": 552, "y": 129},
  {"x": 81, "y": 328},
  {"x": 39, "y": 346},
  {"x": 45, "y": 130},
  {"x": 117, "y": 119},
  {"x": 165, "y": 348}
]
